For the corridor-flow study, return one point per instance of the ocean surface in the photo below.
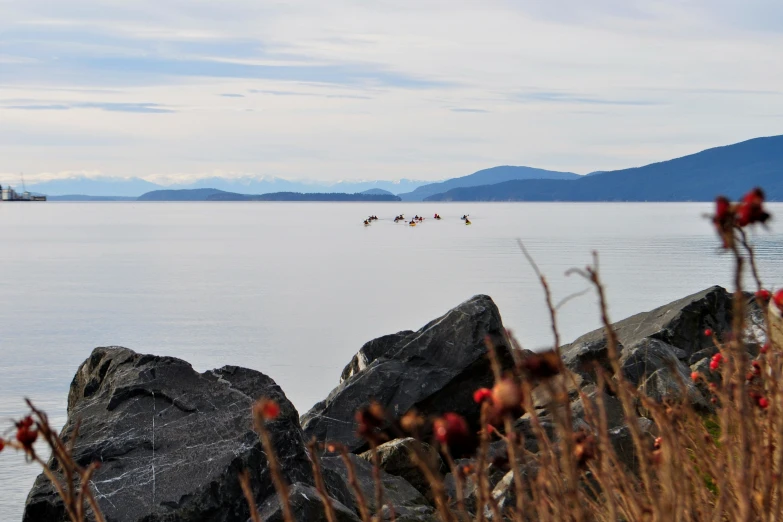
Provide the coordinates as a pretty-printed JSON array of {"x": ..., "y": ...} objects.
[{"x": 295, "y": 289}]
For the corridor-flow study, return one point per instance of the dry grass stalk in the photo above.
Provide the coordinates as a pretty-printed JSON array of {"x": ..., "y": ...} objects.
[
  {"x": 262, "y": 410},
  {"x": 319, "y": 481},
  {"x": 244, "y": 482}
]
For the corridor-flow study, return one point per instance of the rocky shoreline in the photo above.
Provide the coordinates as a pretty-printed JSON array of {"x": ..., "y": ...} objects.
[{"x": 171, "y": 441}]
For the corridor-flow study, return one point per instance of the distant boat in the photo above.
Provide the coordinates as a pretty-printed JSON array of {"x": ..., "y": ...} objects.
[{"x": 9, "y": 194}]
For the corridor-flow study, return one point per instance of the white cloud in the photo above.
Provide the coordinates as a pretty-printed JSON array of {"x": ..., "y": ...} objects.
[{"x": 385, "y": 89}]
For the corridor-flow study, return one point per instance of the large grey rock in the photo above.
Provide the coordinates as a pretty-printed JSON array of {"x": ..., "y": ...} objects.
[
  {"x": 680, "y": 324},
  {"x": 470, "y": 487},
  {"x": 170, "y": 440},
  {"x": 435, "y": 370},
  {"x": 395, "y": 459},
  {"x": 375, "y": 349},
  {"x": 405, "y": 499},
  {"x": 622, "y": 442},
  {"x": 615, "y": 415},
  {"x": 306, "y": 505},
  {"x": 645, "y": 357},
  {"x": 665, "y": 385}
]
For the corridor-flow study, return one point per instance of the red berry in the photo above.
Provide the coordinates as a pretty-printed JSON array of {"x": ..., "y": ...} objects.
[
  {"x": 763, "y": 403},
  {"x": 778, "y": 299},
  {"x": 2, "y": 444},
  {"x": 695, "y": 376},
  {"x": 266, "y": 409},
  {"x": 765, "y": 348},
  {"x": 26, "y": 436},
  {"x": 722, "y": 206},
  {"x": 718, "y": 357},
  {"x": 481, "y": 395},
  {"x": 714, "y": 365},
  {"x": 450, "y": 428},
  {"x": 708, "y": 332},
  {"x": 763, "y": 295}
]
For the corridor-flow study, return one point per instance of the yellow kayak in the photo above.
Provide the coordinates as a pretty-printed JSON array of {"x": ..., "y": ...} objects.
[{"x": 412, "y": 224}]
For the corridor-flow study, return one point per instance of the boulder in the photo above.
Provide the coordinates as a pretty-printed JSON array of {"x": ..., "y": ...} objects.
[
  {"x": 405, "y": 499},
  {"x": 622, "y": 442},
  {"x": 469, "y": 490},
  {"x": 505, "y": 493},
  {"x": 395, "y": 459},
  {"x": 306, "y": 504},
  {"x": 434, "y": 370},
  {"x": 645, "y": 357},
  {"x": 706, "y": 353},
  {"x": 615, "y": 415},
  {"x": 375, "y": 349},
  {"x": 170, "y": 440},
  {"x": 679, "y": 324},
  {"x": 665, "y": 385}
]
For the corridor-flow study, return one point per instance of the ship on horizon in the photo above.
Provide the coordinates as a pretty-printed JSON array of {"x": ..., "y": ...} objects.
[{"x": 9, "y": 194}]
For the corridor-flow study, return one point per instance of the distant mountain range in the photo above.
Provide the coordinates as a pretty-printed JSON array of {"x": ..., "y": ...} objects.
[
  {"x": 180, "y": 195},
  {"x": 82, "y": 197},
  {"x": 249, "y": 185},
  {"x": 84, "y": 186},
  {"x": 485, "y": 177},
  {"x": 208, "y": 194},
  {"x": 731, "y": 170},
  {"x": 134, "y": 187},
  {"x": 377, "y": 192},
  {"x": 298, "y": 196}
]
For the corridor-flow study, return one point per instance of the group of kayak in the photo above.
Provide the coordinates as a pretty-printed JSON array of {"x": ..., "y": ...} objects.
[{"x": 416, "y": 219}]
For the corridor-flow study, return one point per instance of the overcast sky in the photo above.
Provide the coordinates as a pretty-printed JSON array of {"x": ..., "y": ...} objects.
[{"x": 340, "y": 89}]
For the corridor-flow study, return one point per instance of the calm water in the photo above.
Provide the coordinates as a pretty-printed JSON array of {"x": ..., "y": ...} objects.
[{"x": 293, "y": 290}]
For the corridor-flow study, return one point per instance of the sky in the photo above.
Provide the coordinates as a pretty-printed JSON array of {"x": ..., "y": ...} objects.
[{"x": 176, "y": 90}]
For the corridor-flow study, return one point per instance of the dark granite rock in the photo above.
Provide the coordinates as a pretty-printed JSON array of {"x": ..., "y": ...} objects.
[
  {"x": 525, "y": 427},
  {"x": 615, "y": 416},
  {"x": 623, "y": 445},
  {"x": 395, "y": 459},
  {"x": 434, "y": 370},
  {"x": 680, "y": 324},
  {"x": 405, "y": 499},
  {"x": 469, "y": 490},
  {"x": 375, "y": 349},
  {"x": 306, "y": 505},
  {"x": 171, "y": 441},
  {"x": 505, "y": 493},
  {"x": 643, "y": 358},
  {"x": 337, "y": 488},
  {"x": 702, "y": 354},
  {"x": 665, "y": 385}
]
